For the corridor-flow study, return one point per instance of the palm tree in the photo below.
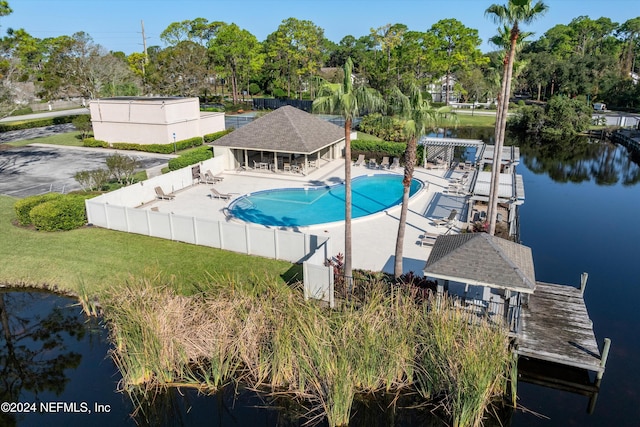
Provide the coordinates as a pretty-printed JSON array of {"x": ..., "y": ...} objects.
[
  {"x": 349, "y": 101},
  {"x": 511, "y": 14},
  {"x": 418, "y": 117}
]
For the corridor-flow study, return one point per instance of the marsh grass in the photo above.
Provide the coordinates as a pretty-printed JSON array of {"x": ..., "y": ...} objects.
[{"x": 262, "y": 334}]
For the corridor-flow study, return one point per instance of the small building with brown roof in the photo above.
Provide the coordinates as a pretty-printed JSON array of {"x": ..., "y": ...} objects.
[
  {"x": 287, "y": 139},
  {"x": 484, "y": 271}
]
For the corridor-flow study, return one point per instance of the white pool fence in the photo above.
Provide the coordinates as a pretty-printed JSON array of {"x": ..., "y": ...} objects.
[{"x": 120, "y": 210}]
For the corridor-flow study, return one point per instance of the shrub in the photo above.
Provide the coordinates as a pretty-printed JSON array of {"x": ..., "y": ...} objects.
[
  {"x": 64, "y": 213},
  {"x": 95, "y": 179},
  {"x": 279, "y": 93},
  {"x": 30, "y": 124},
  {"x": 385, "y": 127},
  {"x": 122, "y": 168},
  {"x": 159, "y": 148},
  {"x": 92, "y": 142},
  {"x": 83, "y": 124},
  {"x": 24, "y": 206},
  {"x": 190, "y": 158},
  {"x": 383, "y": 148},
  {"x": 210, "y": 137},
  {"x": 254, "y": 89}
]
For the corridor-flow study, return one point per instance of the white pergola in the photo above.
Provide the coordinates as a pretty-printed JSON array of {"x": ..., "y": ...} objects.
[{"x": 447, "y": 144}]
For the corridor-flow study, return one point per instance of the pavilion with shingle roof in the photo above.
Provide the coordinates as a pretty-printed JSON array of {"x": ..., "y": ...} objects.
[
  {"x": 482, "y": 260},
  {"x": 286, "y": 136}
]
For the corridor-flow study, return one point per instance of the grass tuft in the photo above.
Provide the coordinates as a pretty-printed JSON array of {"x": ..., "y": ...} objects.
[{"x": 263, "y": 334}]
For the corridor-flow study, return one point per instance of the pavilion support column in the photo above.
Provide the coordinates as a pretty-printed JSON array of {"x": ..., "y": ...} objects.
[
  {"x": 275, "y": 161},
  {"x": 507, "y": 300},
  {"x": 246, "y": 159}
]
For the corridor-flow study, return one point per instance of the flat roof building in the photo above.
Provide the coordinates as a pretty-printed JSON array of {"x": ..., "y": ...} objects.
[{"x": 151, "y": 120}]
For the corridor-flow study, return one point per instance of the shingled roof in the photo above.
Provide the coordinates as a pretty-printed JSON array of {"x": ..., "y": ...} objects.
[
  {"x": 285, "y": 130},
  {"x": 481, "y": 259}
]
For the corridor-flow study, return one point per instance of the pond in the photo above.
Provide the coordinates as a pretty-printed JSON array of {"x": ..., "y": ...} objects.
[{"x": 582, "y": 200}]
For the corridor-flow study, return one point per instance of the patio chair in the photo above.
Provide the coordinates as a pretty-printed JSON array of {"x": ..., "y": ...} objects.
[
  {"x": 210, "y": 178},
  {"x": 447, "y": 222},
  {"x": 160, "y": 194},
  {"x": 455, "y": 188},
  {"x": 428, "y": 239},
  {"x": 286, "y": 167},
  {"x": 461, "y": 179},
  {"x": 360, "y": 160},
  {"x": 395, "y": 163},
  {"x": 372, "y": 164},
  {"x": 215, "y": 194},
  {"x": 384, "y": 163}
]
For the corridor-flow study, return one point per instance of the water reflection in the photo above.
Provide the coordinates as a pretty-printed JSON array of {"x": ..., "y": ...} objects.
[
  {"x": 33, "y": 350},
  {"x": 579, "y": 160}
]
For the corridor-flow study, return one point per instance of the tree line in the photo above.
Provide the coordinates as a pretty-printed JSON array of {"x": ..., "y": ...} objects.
[{"x": 593, "y": 60}]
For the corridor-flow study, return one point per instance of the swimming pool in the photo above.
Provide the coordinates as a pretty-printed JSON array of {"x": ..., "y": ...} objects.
[{"x": 292, "y": 207}]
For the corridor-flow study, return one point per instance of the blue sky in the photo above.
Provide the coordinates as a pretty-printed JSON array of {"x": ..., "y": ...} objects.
[{"x": 115, "y": 24}]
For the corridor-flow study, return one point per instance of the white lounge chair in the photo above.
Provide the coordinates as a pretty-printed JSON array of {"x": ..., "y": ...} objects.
[
  {"x": 209, "y": 178},
  {"x": 160, "y": 194},
  {"x": 384, "y": 163},
  {"x": 395, "y": 163},
  {"x": 447, "y": 222},
  {"x": 428, "y": 239},
  {"x": 215, "y": 194},
  {"x": 373, "y": 164},
  {"x": 360, "y": 160}
]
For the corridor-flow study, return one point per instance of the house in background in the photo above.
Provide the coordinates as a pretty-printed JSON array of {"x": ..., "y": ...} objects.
[
  {"x": 438, "y": 90},
  {"x": 147, "y": 120}
]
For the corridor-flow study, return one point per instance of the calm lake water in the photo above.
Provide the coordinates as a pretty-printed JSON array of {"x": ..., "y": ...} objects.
[{"x": 578, "y": 216}]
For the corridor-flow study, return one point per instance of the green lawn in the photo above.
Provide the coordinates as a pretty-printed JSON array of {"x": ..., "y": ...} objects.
[
  {"x": 68, "y": 138},
  {"x": 98, "y": 258},
  {"x": 367, "y": 137},
  {"x": 466, "y": 119}
]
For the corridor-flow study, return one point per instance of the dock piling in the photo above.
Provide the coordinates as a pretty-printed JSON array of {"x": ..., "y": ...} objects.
[
  {"x": 583, "y": 282},
  {"x": 603, "y": 359}
]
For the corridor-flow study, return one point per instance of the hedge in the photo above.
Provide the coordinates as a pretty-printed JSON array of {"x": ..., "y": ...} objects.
[
  {"x": 64, "y": 213},
  {"x": 92, "y": 142},
  {"x": 30, "y": 124},
  {"x": 159, "y": 148},
  {"x": 24, "y": 206},
  {"x": 392, "y": 149},
  {"x": 210, "y": 137},
  {"x": 149, "y": 148},
  {"x": 190, "y": 158}
]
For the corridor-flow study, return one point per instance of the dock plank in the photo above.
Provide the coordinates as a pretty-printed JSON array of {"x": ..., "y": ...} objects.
[{"x": 556, "y": 327}]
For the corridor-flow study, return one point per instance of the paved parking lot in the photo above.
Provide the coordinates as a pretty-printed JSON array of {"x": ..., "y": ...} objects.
[{"x": 37, "y": 169}]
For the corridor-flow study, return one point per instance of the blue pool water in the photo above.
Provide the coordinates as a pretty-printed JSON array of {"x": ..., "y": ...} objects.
[{"x": 292, "y": 207}]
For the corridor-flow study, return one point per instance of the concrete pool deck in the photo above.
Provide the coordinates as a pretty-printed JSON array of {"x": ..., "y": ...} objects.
[{"x": 374, "y": 236}]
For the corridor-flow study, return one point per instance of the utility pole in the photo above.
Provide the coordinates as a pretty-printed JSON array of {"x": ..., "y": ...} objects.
[{"x": 144, "y": 61}]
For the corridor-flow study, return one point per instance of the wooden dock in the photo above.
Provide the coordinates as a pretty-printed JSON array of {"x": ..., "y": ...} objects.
[{"x": 555, "y": 327}]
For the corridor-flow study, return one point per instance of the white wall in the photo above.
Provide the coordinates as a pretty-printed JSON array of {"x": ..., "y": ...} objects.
[
  {"x": 211, "y": 123},
  {"x": 151, "y": 121},
  {"x": 144, "y": 192}
]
